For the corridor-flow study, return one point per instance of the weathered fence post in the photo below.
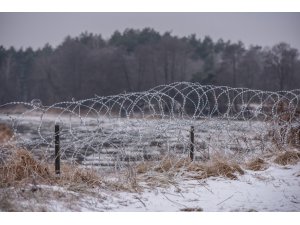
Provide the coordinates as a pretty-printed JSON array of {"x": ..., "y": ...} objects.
[
  {"x": 192, "y": 143},
  {"x": 57, "y": 151}
]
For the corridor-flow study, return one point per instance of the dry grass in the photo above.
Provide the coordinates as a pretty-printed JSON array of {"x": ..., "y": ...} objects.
[
  {"x": 171, "y": 165},
  {"x": 294, "y": 136},
  {"x": 288, "y": 121},
  {"x": 72, "y": 174},
  {"x": 215, "y": 168},
  {"x": 5, "y": 133},
  {"x": 144, "y": 167},
  {"x": 21, "y": 168},
  {"x": 288, "y": 157},
  {"x": 167, "y": 164},
  {"x": 290, "y": 134},
  {"x": 256, "y": 164},
  {"x": 120, "y": 186}
]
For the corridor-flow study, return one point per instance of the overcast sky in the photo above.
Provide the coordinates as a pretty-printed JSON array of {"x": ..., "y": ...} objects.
[{"x": 37, "y": 29}]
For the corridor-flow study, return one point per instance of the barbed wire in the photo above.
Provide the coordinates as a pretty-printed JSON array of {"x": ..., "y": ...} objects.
[{"x": 114, "y": 131}]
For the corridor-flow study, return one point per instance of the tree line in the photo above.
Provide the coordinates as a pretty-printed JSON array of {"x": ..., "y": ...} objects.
[{"x": 136, "y": 60}]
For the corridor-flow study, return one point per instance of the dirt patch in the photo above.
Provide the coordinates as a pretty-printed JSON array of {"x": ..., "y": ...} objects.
[
  {"x": 288, "y": 157},
  {"x": 257, "y": 164}
]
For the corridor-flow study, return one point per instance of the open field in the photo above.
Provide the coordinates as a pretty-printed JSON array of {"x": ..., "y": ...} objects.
[
  {"x": 151, "y": 171},
  {"x": 121, "y": 140},
  {"x": 154, "y": 151}
]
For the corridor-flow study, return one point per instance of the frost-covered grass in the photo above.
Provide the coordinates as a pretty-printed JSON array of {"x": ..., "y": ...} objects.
[
  {"x": 107, "y": 141},
  {"x": 275, "y": 188},
  {"x": 143, "y": 165}
]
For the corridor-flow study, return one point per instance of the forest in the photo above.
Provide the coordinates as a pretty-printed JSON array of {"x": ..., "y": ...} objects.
[{"x": 138, "y": 59}]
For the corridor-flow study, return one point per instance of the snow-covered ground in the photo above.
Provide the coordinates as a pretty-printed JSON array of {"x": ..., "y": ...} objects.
[
  {"x": 102, "y": 141},
  {"x": 275, "y": 189}
]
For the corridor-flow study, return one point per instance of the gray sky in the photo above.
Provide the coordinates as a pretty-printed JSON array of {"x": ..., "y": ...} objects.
[{"x": 37, "y": 29}]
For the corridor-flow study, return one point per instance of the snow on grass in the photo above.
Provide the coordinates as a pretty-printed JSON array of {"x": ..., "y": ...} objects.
[{"x": 274, "y": 189}]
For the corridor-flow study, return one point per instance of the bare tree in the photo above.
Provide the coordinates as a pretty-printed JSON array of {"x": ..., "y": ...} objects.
[{"x": 280, "y": 62}]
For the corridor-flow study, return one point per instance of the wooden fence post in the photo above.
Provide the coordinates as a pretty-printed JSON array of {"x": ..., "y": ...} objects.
[
  {"x": 192, "y": 143},
  {"x": 57, "y": 151}
]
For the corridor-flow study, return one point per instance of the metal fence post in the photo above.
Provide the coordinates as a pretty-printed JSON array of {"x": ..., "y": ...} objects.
[
  {"x": 192, "y": 143},
  {"x": 57, "y": 151}
]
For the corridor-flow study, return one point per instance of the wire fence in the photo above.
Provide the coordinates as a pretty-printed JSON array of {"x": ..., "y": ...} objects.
[{"x": 119, "y": 130}]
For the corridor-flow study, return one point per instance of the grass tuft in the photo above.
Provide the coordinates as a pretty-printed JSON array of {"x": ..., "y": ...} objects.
[
  {"x": 22, "y": 167},
  {"x": 5, "y": 133},
  {"x": 257, "y": 164},
  {"x": 216, "y": 168},
  {"x": 288, "y": 157}
]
